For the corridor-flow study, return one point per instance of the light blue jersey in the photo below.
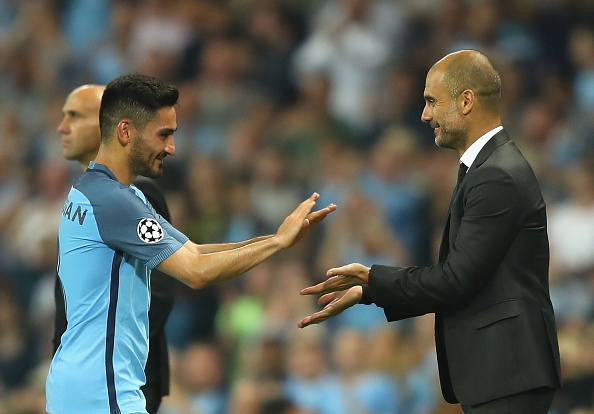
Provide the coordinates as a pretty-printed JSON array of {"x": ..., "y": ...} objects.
[{"x": 110, "y": 238}]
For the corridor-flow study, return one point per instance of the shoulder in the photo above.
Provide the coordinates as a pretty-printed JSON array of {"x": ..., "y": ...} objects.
[
  {"x": 501, "y": 157},
  {"x": 508, "y": 160},
  {"x": 97, "y": 185},
  {"x": 107, "y": 195},
  {"x": 505, "y": 178}
]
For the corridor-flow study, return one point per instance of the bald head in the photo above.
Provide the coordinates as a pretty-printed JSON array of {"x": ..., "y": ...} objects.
[
  {"x": 79, "y": 128},
  {"x": 469, "y": 69},
  {"x": 462, "y": 95},
  {"x": 91, "y": 93}
]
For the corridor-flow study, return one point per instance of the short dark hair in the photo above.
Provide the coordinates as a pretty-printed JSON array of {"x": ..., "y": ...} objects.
[{"x": 136, "y": 97}]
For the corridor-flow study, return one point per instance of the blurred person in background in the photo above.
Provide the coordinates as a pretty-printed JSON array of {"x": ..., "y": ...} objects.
[
  {"x": 159, "y": 34},
  {"x": 571, "y": 231},
  {"x": 84, "y": 22},
  {"x": 267, "y": 365},
  {"x": 244, "y": 397},
  {"x": 205, "y": 189},
  {"x": 581, "y": 50},
  {"x": 363, "y": 389},
  {"x": 274, "y": 31},
  {"x": 225, "y": 97},
  {"x": 495, "y": 331},
  {"x": 352, "y": 42},
  {"x": 310, "y": 383},
  {"x": 256, "y": 307},
  {"x": 272, "y": 190},
  {"x": 414, "y": 366},
  {"x": 203, "y": 373},
  {"x": 17, "y": 345},
  {"x": 394, "y": 183},
  {"x": 33, "y": 229},
  {"x": 398, "y": 105},
  {"x": 305, "y": 132},
  {"x": 81, "y": 138}
]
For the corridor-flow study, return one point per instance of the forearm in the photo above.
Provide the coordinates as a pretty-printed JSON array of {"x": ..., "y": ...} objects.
[
  {"x": 213, "y": 248},
  {"x": 227, "y": 264},
  {"x": 198, "y": 270},
  {"x": 199, "y": 266}
]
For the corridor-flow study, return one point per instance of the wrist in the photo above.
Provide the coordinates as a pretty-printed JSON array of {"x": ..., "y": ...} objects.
[
  {"x": 365, "y": 295},
  {"x": 275, "y": 240}
]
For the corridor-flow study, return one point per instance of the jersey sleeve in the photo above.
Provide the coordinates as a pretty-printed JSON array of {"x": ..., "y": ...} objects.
[
  {"x": 175, "y": 233},
  {"x": 127, "y": 224}
]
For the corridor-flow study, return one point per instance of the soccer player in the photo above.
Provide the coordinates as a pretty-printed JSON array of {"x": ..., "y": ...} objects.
[
  {"x": 81, "y": 138},
  {"x": 109, "y": 240}
]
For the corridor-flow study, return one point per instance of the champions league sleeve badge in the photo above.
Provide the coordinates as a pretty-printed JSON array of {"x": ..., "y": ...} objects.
[{"x": 149, "y": 230}]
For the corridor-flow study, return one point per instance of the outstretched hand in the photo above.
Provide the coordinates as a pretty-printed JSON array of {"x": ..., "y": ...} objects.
[
  {"x": 312, "y": 220},
  {"x": 340, "y": 278},
  {"x": 301, "y": 221},
  {"x": 340, "y": 291},
  {"x": 336, "y": 303}
]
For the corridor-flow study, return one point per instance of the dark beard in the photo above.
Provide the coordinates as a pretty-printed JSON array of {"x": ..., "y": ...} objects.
[
  {"x": 452, "y": 136},
  {"x": 454, "y": 139},
  {"x": 140, "y": 156}
]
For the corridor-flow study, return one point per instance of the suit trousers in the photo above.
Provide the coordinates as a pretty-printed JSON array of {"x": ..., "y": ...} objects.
[{"x": 530, "y": 402}]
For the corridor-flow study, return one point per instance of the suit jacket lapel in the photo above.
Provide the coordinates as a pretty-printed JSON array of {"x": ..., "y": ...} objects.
[{"x": 498, "y": 139}]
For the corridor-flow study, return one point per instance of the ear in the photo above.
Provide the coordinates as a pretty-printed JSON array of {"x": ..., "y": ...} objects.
[
  {"x": 466, "y": 101},
  {"x": 125, "y": 132}
]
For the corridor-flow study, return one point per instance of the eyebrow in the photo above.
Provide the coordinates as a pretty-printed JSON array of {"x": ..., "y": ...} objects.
[{"x": 167, "y": 131}]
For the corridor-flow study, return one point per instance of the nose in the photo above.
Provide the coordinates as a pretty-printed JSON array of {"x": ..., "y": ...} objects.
[
  {"x": 425, "y": 115},
  {"x": 64, "y": 128},
  {"x": 170, "y": 147}
]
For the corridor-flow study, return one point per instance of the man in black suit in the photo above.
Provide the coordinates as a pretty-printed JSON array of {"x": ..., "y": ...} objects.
[
  {"x": 495, "y": 329},
  {"x": 80, "y": 142}
]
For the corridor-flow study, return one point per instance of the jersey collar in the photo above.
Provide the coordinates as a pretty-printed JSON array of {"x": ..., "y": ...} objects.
[{"x": 94, "y": 167}]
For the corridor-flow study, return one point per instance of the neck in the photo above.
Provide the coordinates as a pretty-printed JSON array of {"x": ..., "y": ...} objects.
[
  {"x": 117, "y": 162},
  {"x": 481, "y": 129}
]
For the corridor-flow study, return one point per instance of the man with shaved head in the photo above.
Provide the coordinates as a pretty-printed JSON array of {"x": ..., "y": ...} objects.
[
  {"x": 495, "y": 329},
  {"x": 80, "y": 126},
  {"x": 81, "y": 138}
]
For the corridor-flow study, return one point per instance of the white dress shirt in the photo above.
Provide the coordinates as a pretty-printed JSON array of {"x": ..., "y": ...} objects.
[{"x": 472, "y": 152}]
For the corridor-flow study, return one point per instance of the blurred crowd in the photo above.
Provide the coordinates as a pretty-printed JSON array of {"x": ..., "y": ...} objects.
[{"x": 280, "y": 98}]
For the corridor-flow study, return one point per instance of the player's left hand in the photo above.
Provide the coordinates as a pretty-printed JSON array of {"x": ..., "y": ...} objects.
[
  {"x": 301, "y": 221},
  {"x": 312, "y": 220}
]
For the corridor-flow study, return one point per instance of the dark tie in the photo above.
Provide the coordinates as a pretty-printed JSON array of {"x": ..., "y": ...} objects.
[
  {"x": 461, "y": 173},
  {"x": 444, "y": 247}
]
